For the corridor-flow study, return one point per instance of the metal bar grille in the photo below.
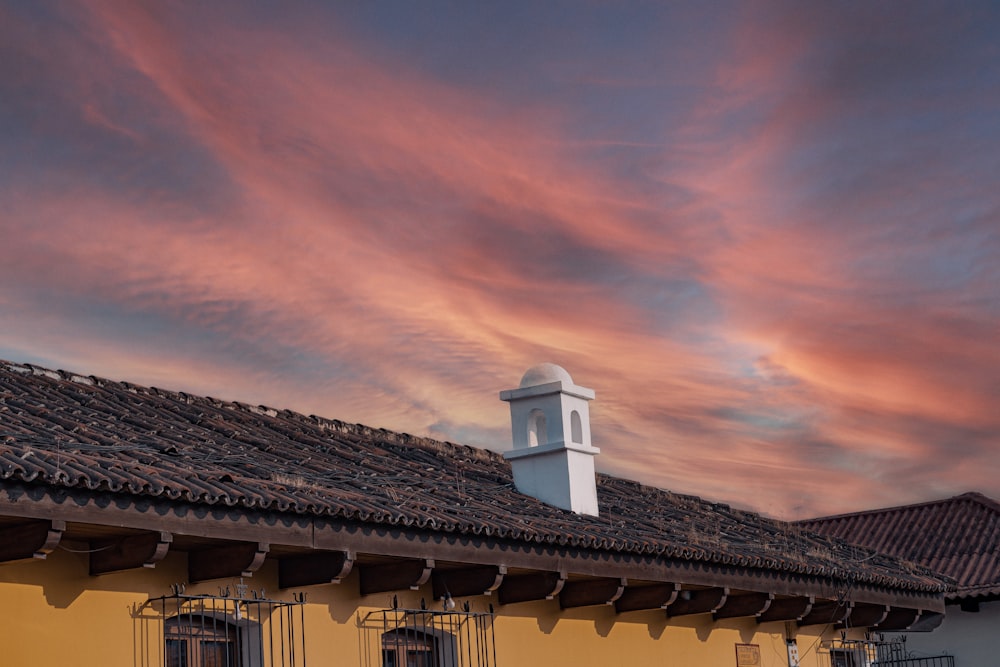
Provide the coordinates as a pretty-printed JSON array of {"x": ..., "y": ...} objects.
[
  {"x": 241, "y": 630},
  {"x": 880, "y": 653},
  {"x": 425, "y": 638}
]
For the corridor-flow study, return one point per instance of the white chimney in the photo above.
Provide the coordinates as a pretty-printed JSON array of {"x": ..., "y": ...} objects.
[{"x": 553, "y": 459}]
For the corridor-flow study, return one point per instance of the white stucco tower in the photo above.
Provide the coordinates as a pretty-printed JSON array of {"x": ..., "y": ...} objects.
[{"x": 553, "y": 459}]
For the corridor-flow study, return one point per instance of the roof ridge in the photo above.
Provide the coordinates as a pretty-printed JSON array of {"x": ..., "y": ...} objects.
[
  {"x": 973, "y": 496},
  {"x": 981, "y": 499}
]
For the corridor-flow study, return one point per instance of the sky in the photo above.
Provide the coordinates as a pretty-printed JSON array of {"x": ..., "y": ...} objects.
[{"x": 767, "y": 234}]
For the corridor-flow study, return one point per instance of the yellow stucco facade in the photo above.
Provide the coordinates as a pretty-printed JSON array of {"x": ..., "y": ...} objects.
[{"x": 55, "y": 613}]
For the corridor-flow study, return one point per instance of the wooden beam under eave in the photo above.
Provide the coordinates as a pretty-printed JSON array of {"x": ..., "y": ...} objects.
[
  {"x": 655, "y": 596},
  {"x": 588, "y": 592},
  {"x": 397, "y": 576},
  {"x": 898, "y": 620},
  {"x": 751, "y": 604},
  {"x": 787, "y": 609},
  {"x": 929, "y": 620},
  {"x": 323, "y": 567},
  {"x": 529, "y": 587},
  {"x": 866, "y": 616},
  {"x": 226, "y": 562},
  {"x": 698, "y": 602},
  {"x": 31, "y": 540},
  {"x": 128, "y": 553},
  {"x": 467, "y": 581},
  {"x": 827, "y": 613}
]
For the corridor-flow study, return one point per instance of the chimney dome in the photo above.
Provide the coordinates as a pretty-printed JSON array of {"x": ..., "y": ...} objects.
[{"x": 543, "y": 374}]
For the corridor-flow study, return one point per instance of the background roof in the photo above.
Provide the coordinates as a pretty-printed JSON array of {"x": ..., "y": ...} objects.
[{"x": 958, "y": 537}]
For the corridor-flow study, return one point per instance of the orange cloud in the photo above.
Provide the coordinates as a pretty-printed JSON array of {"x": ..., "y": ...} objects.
[{"x": 299, "y": 220}]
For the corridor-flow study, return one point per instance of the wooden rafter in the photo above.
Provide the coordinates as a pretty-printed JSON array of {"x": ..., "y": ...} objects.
[
  {"x": 528, "y": 587},
  {"x": 698, "y": 602},
  {"x": 750, "y": 604},
  {"x": 127, "y": 553},
  {"x": 828, "y": 612},
  {"x": 587, "y": 592},
  {"x": 898, "y": 620},
  {"x": 467, "y": 581},
  {"x": 787, "y": 609},
  {"x": 866, "y": 615},
  {"x": 398, "y": 576},
  {"x": 226, "y": 562},
  {"x": 929, "y": 620},
  {"x": 655, "y": 596},
  {"x": 321, "y": 567},
  {"x": 31, "y": 540}
]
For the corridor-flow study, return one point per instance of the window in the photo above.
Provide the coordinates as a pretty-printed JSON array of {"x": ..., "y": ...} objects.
[
  {"x": 424, "y": 638},
  {"x": 194, "y": 640},
  {"x": 245, "y": 630},
  {"x": 844, "y": 658},
  {"x": 877, "y": 651},
  {"x": 409, "y": 648}
]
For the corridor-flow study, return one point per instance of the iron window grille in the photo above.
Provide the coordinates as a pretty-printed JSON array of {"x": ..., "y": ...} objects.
[
  {"x": 876, "y": 651},
  {"x": 244, "y": 629},
  {"x": 424, "y": 638}
]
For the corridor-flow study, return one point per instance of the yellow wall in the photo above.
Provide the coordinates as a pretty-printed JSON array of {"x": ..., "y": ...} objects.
[{"x": 53, "y": 613}]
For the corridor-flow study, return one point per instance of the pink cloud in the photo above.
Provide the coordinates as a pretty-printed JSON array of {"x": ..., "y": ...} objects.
[{"x": 394, "y": 250}]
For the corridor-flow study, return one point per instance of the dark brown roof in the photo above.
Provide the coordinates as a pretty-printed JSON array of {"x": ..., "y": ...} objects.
[
  {"x": 958, "y": 537},
  {"x": 62, "y": 429}
]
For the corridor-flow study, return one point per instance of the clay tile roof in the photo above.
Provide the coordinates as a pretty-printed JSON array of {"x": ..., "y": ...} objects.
[
  {"x": 63, "y": 429},
  {"x": 958, "y": 537}
]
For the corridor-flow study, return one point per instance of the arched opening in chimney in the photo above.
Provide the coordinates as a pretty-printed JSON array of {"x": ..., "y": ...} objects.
[
  {"x": 576, "y": 427},
  {"x": 537, "y": 428}
]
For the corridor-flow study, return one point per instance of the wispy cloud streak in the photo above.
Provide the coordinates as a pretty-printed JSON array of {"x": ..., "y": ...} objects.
[{"x": 776, "y": 263}]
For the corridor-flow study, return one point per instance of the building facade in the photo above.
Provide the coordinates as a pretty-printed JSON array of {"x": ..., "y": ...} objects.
[{"x": 142, "y": 527}]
